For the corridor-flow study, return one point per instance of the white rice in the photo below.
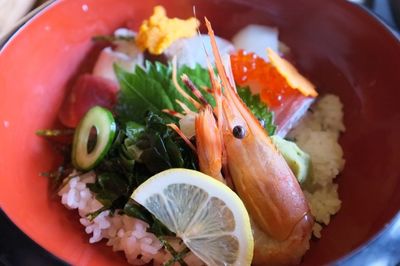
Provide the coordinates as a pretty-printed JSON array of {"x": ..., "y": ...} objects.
[
  {"x": 318, "y": 135},
  {"x": 122, "y": 232}
]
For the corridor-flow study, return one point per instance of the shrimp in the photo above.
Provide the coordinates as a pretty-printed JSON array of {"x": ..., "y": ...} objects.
[
  {"x": 267, "y": 186},
  {"x": 230, "y": 139},
  {"x": 281, "y": 217}
]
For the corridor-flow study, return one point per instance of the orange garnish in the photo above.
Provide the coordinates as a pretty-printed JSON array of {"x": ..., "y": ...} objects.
[{"x": 292, "y": 76}]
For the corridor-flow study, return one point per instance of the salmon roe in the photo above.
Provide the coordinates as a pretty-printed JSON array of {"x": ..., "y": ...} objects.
[{"x": 253, "y": 71}]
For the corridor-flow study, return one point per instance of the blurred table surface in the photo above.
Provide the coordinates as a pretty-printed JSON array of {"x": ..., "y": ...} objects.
[{"x": 16, "y": 249}]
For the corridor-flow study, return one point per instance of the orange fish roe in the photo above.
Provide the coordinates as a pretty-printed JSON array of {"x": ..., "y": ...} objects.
[{"x": 253, "y": 71}]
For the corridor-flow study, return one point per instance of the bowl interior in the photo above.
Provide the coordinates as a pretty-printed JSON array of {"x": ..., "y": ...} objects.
[{"x": 338, "y": 46}]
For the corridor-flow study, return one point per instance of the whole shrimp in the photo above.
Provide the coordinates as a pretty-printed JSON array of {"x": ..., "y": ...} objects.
[{"x": 230, "y": 139}]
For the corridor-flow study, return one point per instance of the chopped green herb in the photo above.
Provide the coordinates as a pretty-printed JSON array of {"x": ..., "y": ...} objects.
[
  {"x": 112, "y": 38},
  {"x": 135, "y": 210},
  {"x": 57, "y": 177},
  {"x": 54, "y": 132},
  {"x": 91, "y": 216},
  {"x": 176, "y": 256},
  {"x": 112, "y": 190}
]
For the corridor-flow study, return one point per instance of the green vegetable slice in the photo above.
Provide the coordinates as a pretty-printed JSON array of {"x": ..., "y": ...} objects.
[{"x": 103, "y": 122}]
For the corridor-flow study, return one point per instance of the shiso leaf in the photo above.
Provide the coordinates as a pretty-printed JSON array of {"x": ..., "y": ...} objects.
[
  {"x": 151, "y": 89},
  {"x": 258, "y": 108},
  {"x": 141, "y": 91}
]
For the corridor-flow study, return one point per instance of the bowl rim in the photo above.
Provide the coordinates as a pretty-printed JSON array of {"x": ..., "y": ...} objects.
[
  {"x": 6, "y": 38},
  {"x": 395, "y": 36}
]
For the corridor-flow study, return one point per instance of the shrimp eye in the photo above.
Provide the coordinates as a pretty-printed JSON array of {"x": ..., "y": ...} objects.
[
  {"x": 262, "y": 122},
  {"x": 239, "y": 132}
]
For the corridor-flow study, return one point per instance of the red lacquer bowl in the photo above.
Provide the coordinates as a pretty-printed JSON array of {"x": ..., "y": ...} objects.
[{"x": 340, "y": 47}]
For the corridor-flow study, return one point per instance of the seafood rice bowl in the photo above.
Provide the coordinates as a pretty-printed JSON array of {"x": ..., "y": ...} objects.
[{"x": 182, "y": 148}]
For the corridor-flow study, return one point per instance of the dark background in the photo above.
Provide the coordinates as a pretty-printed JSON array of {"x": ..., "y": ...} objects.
[{"x": 16, "y": 249}]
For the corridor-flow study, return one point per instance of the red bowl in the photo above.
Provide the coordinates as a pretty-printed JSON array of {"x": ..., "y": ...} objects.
[{"x": 339, "y": 46}]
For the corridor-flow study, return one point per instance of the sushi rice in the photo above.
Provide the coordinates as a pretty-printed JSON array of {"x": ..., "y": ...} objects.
[{"x": 317, "y": 134}]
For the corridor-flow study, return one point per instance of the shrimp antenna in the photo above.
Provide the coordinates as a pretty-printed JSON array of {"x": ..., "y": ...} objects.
[
  {"x": 186, "y": 110},
  {"x": 202, "y": 41},
  {"x": 173, "y": 113},
  {"x": 179, "y": 88},
  {"x": 180, "y": 133},
  {"x": 194, "y": 11},
  {"x": 218, "y": 61},
  {"x": 190, "y": 85}
]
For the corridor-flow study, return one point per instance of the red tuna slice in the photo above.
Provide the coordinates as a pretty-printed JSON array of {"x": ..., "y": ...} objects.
[{"x": 88, "y": 91}]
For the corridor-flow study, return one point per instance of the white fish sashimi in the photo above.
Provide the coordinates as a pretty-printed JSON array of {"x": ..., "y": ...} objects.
[
  {"x": 125, "y": 54},
  {"x": 190, "y": 51},
  {"x": 257, "y": 38}
]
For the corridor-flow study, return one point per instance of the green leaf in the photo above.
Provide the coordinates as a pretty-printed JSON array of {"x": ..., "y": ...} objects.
[
  {"x": 156, "y": 124},
  {"x": 258, "y": 108},
  {"x": 113, "y": 183},
  {"x": 58, "y": 176},
  {"x": 134, "y": 210},
  {"x": 159, "y": 229},
  {"x": 152, "y": 89},
  {"x": 155, "y": 156},
  {"x": 163, "y": 148},
  {"x": 140, "y": 92},
  {"x": 111, "y": 190},
  {"x": 174, "y": 153},
  {"x": 133, "y": 130}
]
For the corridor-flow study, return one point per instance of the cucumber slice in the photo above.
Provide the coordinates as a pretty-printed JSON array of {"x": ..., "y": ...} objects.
[{"x": 103, "y": 121}]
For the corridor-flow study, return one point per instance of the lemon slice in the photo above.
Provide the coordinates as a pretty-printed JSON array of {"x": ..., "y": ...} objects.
[{"x": 208, "y": 216}]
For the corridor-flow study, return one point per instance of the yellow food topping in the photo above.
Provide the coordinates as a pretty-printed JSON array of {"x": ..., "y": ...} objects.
[
  {"x": 159, "y": 31},
  {"x": 292, "y": 76}
]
